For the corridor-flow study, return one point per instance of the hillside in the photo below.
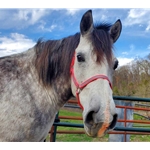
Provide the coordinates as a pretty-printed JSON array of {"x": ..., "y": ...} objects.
[{"x": 133, "y": 79}]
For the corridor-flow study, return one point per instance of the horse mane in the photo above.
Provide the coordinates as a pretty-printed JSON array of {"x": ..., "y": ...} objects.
[{"x": 53, "y": 57}]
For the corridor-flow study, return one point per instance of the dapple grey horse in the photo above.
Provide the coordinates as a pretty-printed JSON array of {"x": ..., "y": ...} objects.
[{"x": 35, "y": 84}]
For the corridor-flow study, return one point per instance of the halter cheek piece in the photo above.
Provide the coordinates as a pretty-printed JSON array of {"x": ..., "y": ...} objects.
[{"x": 79, "y": 87}]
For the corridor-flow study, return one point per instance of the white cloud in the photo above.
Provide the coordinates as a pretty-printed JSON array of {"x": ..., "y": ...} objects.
[
  {"x": 15, "y": 43},
  {"x": 124, "y": 61},
  {"x": 132, "y": 47},
  {"x": 21, "y": 18},
  {"x": 136, "y": 13},
  {"x": 52, "y": 27},
  {"x": 148, "y": 26},
  {"x": 72, "y": 11},
  {"x": 138, "y": 16},
  {"x": 125, "y": 53},
  {"x": 100, "y": 15},
  {"x": 43, "y": 27},
  {"x": 31, "y": 15}
]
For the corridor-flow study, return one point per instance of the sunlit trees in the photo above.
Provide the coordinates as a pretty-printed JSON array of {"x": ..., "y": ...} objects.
[{"x": 133, "y": 79}]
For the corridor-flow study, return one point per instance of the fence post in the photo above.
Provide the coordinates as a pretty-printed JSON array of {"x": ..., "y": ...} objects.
[
  {"x": 125, "y": 123},
  {"x": 54, "y": 129}
]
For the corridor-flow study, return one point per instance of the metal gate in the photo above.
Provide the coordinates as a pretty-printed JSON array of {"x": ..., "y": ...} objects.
[{"x": 117, "y": 130}]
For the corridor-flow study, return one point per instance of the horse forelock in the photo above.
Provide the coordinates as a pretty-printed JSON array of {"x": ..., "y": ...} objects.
[
  {"x": 53, "y": 58},
  {"x": 102, "y": 43},
  {"x": 103, "y": 26}
]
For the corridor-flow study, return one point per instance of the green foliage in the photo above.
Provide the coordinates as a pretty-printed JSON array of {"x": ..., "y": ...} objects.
[
  {"x": 133, "y": 79},
  {"x": 116, "y": 91}
]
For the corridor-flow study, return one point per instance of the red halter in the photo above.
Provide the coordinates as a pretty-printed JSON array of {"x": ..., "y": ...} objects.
[{"x": 86, "y": 82}]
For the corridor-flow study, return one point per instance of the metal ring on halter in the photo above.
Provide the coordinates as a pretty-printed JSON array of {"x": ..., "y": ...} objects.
[{"x": 78, "y": 90}]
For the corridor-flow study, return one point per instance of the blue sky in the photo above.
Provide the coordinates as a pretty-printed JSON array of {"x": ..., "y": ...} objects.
[{"x": 20, "y": 28}]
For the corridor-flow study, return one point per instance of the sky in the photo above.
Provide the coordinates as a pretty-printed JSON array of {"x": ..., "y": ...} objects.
[{"x": 20, "y": 28}]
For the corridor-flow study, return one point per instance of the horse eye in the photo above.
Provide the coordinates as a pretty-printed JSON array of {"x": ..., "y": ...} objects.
[
  {"x": 80, "y": 58},
  {"x": 116, "y": 64}
]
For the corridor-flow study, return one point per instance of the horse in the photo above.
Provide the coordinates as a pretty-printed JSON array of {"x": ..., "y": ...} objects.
[
  {"x": 129, "y": 115},
  {"x": 36, "y": 83}
]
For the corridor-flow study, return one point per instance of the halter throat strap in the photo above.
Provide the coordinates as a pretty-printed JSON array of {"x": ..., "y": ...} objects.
[{"x": 79, "y": 87}]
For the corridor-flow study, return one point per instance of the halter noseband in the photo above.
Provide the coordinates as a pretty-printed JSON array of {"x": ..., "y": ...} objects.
[{"x": 86, "y": 82}]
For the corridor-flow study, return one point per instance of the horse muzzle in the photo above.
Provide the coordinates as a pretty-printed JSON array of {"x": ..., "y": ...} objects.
[{"x": 99, "y": 129}]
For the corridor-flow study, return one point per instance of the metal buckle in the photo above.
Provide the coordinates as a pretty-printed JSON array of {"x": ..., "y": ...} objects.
[{"x": 78, "y": 90}]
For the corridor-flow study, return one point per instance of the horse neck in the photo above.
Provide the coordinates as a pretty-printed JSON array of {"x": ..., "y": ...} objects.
[
  {"x": 52, "y": 64},
  {"x": 58, "y": 92},
  {"x": 62, "y": 90}
]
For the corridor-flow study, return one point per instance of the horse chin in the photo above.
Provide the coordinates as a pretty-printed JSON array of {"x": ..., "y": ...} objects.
[
  {"x": 97, "y": 135},
  {"x": 96, "y": 131}
]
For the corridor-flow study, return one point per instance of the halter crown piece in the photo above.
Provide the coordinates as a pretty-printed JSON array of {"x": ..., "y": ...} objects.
[{"x": 79, "y": 87}]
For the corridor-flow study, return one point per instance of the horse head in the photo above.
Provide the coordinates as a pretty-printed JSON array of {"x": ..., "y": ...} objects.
[{"x": 92, "y": 69}]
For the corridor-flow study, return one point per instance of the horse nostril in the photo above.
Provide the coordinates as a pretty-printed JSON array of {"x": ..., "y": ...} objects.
[
  {"x": 113, "y": 123},
  {"x": 89, "y": 119}
]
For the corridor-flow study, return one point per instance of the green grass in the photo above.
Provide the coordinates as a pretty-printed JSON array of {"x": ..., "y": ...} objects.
[
  {"x": 84, "y": 137},
  {"x": 72, "y": 137}
]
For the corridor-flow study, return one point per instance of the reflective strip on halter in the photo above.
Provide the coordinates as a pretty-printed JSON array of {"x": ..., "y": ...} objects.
[{"x": 86, "y": 82}]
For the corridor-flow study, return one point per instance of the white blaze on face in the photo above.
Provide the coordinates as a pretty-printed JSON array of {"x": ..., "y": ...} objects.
[{"x": 97, "y": 92}]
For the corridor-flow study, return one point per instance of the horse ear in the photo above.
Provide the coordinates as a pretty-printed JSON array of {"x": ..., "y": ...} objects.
[
  {"x": 115, "y": 30},
  {"x": 86, "y": 24}
]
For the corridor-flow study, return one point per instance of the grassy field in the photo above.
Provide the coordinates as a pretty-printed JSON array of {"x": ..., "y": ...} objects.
[{"x": 84, "y": 137}]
